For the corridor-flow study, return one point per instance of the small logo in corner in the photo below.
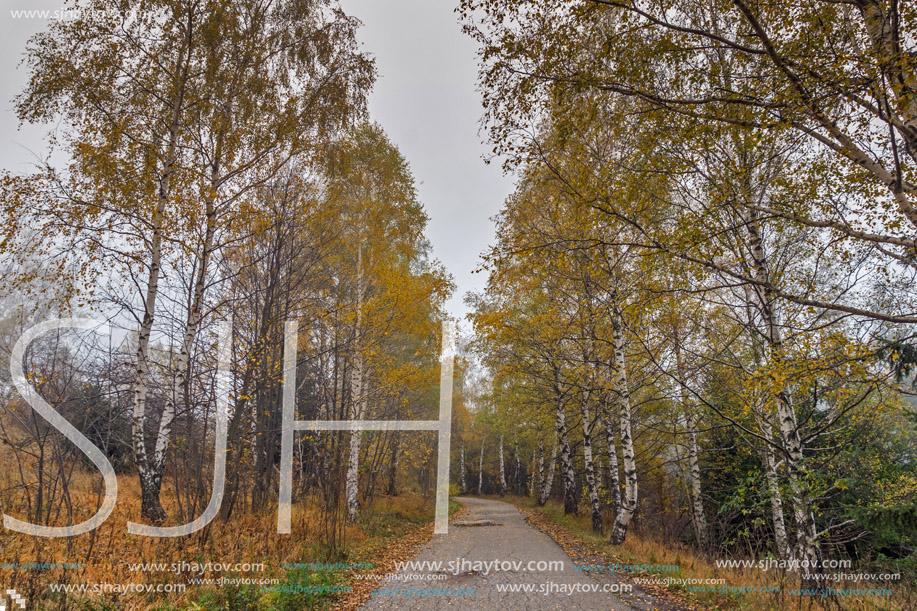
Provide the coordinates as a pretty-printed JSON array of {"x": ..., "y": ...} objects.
[{"x": 15, "y": 597}]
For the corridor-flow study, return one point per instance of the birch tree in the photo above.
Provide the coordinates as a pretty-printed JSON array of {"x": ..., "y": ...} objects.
[
  {"x": 463, "y": 481},
  {"x": 481, "y": 468},
  {"x": 371, "y": 182},
  {"x": 163, "y": 134},
  {"x": 546, "y": 481},
  {"x": 502, "y": 468}
]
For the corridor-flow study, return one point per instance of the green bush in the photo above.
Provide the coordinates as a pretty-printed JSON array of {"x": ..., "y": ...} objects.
[{"x": 304, "y": 589}]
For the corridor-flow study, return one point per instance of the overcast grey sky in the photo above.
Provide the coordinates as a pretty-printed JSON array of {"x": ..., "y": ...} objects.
[
  {"x": 427, "y": 102},
  {"x": 425, "y": 99}
]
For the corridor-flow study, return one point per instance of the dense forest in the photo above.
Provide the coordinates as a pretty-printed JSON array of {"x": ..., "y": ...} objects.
[
  {"x": 700, "y": 307},
  {"x": 697, "y": 325},
  {"x": 221, "y": 169}
]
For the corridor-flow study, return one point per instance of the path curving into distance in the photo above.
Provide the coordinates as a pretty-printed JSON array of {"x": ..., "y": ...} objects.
[{"x": 491, "y": 531}]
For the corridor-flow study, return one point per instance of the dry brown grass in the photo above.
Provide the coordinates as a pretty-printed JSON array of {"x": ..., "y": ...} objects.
[
  {"x": 643, "y": 548},
  {"x": 107, "y": 552}
]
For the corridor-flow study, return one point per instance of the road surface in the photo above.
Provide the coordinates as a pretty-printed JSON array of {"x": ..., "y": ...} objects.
[{"x": 467, "y": 577}]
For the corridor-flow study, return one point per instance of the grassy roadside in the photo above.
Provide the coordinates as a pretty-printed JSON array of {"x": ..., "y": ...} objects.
[
  {"x": 383, "y": 554},
  {"x": 574, "y": 534},
  {"x": 391, "y": 530},
  {"x": 286, "y": 578}
]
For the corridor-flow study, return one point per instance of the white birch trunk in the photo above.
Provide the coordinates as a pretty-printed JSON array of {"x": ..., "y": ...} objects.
[
  {"x": 518, "y": 481},
  {"x": 619, "y": 377},
  {"x": 532, "y": 471},
  {"x": 806, "y": 531},
  {"x": 149, "y": 481},
  {"x": 481, "y": 469},
  {"x": 358, "y": 400},
  {"x": 594, "y": 502},
  {"x": 192, "y": 326},
  {"x": 502, "y": 470},
  {"x": 697, "y": 503},
  {"x": 547, "y": 483},
  {"x": 776, "y": 498},
  {"x": 614, "y": 478},
  {"x": 462, "y": 470},
  {"x": 566, "y": 456},
  {"x": 698, "y": 516}
]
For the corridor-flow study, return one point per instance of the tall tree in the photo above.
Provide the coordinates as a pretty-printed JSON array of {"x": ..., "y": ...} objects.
[{"x": 171, "y": 127}]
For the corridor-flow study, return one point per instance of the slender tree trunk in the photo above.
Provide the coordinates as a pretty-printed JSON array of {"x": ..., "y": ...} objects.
[
  {"x": 540, "y": 466},
  {"x": 481, "y": 469},
  {"x": 614, "y": 478},
  {"x": 502, "y": 470},
  {"x": 353, "y": 476},
  {"x": 629, "y": 502},
  {"x": 358, "y": 399},
  {"x": 150, "y": 483},
  {"x": 150, "y": 478},
  {"x": 775, "y": 497},
  {"x": 518, "y": 477},
  {"x": 697, "y": 504},
  {"x": 547, "y": 483},
  {"x": 192, "y": 326},
  {"x": 462, "y": 470},
  {"x": 532, "y": 469},
  {"x": 806, "y": 530},
  {"x": 699, "y": 518},
  {"x": 240, "y": 411},
  {"x": 566, "y": 456},
  {"x": 590, "y": 467},
  {"x": 393, "y": 466}
]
